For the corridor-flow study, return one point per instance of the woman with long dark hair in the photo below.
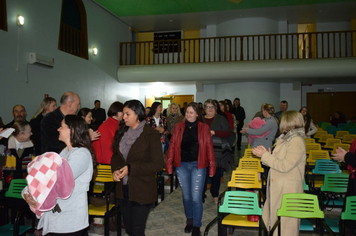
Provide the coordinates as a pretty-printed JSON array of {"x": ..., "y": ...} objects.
[
  {"x": 86, "y": 114},
  {"x": 137, "y": 156},
  {"x": 73, "y": 218},
  {"x": 191, "y": 151},
  {"x": 157, "y": 121},
  {"x": 309, "y": 127}
]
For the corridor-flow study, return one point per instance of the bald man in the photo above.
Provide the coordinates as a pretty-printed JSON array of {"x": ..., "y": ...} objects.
[{"x": 70, "y": 103}]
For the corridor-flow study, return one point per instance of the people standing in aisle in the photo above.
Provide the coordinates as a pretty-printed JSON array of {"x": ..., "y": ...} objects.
[
  {"x": 157, "y": 121},
  {"x": 223, "y": 138},
  {"x": 137, "y": 157},
  {"x": 240, "y": 115},
  {"x": 191, "y": 152}
]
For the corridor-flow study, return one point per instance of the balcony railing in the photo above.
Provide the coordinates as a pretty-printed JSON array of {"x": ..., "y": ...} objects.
[{"x": 333, "y": 44}]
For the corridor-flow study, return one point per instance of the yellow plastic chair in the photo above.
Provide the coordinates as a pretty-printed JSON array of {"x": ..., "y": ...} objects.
[
  {"x": 104, "y": 175},
  {"x": 250, "y": 164},
  {"x": 10, "y": 162},
  {"x": 341, "y": 134},
  {"x": 344, "y": 146},
  {"x": 248, "y": 153},
  {"x": 312, "y": 146},
  {"x": 245, "y": 179},
  {"x": 319, "y": 133},
  {"x": 309, "y": 140},
  {"x": 324, "y": 137},
  {"x": 330, "y": 143},
  {"x": 349, "y": 138},
  {"x": 316, "y": 155}
]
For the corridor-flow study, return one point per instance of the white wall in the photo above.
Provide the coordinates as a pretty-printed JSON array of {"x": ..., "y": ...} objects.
[{"x": 91, "y": 79}]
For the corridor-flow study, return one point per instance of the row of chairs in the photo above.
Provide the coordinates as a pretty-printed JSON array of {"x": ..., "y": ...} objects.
[{"x": 350, "y": 126}]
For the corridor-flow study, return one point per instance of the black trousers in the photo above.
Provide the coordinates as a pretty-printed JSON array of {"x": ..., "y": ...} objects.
[
  {"x": 215, "y": 182},
  {"x": 239, "y": 137},
  {"x": 134, "y": 215},
  {"x": 82, "y": 232}
]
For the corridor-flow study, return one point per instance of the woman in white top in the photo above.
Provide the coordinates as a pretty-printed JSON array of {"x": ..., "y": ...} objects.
[
  {"x": 309, "y": 127},
  {"x": 73, "y": 218}
]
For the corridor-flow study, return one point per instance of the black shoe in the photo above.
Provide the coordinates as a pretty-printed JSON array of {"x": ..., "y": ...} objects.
[
  {"x": 189, "y": 226},
  {"x": 196, "y": 231}
]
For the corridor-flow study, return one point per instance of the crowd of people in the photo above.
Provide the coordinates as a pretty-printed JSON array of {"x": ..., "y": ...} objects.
[{"x": 197, "y": 140}]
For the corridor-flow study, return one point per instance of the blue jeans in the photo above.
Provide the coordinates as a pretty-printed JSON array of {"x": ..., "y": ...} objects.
[{"x": 191, "y": 180}]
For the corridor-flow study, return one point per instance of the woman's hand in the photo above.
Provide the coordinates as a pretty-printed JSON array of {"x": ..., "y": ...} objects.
[
  {"x": 94, "y": 135},
  {"x": 119, "y": 174},
  {"x": 29, "y": 199},
  {"x": 243, "y": 131},
  {"x": 260, "y": 150},
  {"x": 160, "y": 129},
  {"x": 340, "y": 155},
  {"x": 212, "y": 132}
]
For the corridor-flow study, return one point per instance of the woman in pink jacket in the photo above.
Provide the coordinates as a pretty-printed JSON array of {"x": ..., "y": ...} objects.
[{"x": 191, "y": 151}]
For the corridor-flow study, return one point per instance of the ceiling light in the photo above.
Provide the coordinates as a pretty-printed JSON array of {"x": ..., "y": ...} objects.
[
  {"x": 95, "y": 51},
  {"x": 20, "y": 20}
]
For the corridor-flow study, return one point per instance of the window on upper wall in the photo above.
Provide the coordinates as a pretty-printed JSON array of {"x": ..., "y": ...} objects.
[
  {"x": 73, "y": 36},
  {"x": 3, "y": 18}
]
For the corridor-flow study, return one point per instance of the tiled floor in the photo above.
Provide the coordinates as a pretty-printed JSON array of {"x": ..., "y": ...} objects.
[{"x": 168, "y": 217}]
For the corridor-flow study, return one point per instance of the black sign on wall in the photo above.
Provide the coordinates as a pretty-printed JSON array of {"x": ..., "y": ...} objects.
[{"x": 172, "y": 46}]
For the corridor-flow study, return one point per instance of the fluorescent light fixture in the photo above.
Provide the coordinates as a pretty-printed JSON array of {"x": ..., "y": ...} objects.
[
  {"x": 95, "y": 51},
  {"x": 20, "y": 20}
]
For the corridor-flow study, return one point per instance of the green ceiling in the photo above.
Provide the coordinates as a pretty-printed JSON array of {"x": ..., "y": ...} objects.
[{"x": 124, "y": 8}]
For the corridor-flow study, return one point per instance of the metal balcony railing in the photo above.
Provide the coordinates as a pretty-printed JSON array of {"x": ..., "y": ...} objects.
[{"x": 333, "y": 44}]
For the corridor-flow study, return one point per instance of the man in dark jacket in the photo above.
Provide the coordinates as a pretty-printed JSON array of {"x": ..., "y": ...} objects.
[{"x": 239, "y": 113}]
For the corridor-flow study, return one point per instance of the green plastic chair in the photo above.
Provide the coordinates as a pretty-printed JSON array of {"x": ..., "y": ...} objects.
[
  {"x": 237, "y": 205},
  {"x": 349, "y": 213},
  {"x": 301, "y": 206},
  {"x": 14, "y": 191},
  {"x": 324, "y": 166},
  {"x": 15, "y": 188},
  {"x": 325, "y": 124},
  {"x": 334, "y": 183}
]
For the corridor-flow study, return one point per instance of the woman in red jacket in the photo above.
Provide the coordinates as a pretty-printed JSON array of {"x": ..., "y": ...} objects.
[
  {"x": 102, "y": 147},
  {"x": 191, "y": 151}
]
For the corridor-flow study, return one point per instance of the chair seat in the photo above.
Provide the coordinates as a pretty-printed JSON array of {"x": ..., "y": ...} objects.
[
  {"x": 306, "y": 225},
  {"x": 8, "y": 229},
  {"x": 339, "y": 202},
  {"x": 238, "y": 220},
  {"x": 99, "y": 211},
  {"x": 333, "y": 223},
  {"x": 98, "y": 188}
]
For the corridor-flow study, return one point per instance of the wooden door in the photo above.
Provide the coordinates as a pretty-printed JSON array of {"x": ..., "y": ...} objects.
[
  {"x": 322, "y": 106},
  {"x": 180, "y": 99}
]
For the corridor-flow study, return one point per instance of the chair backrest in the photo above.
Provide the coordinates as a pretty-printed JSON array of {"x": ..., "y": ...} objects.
[
  {"x": 312, "y": 146},
  {"x": 330, "y": 127},
  {"x": 330, "y": 142},
  {"x": 325, "y": 124},
  {"x": 319, "y": 133},
  {"x": 240, "y": 203},
  {"x": 309, "y": 140},
  {"x": 248, "y": 153},
  {"x": 341, "y": 134},
  {"x": 324, "y": 166},
  {"x": 324, "y": 137},
  {"x": 305, "y": 186},
  {"x": 104, "y": 173},
  {"x": 349, "y": 138},
  {"x": 251, "y": 164},
  {"x": 300, "y": 205},
  {"x": 317, "y": 154},
  {"x": 244, "y": 179},
  {"x": 344, "y": 146},
  {"x": 336, "y": 183},
  {"x": 15, "y": 188},
  {"x": 341, "y": 125},
  {"x": 350, "y": 209},
  {"x": 352, "y": 130}
]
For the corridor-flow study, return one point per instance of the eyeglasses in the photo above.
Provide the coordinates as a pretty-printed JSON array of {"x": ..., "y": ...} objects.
[{"x": 210, "y": 107}]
